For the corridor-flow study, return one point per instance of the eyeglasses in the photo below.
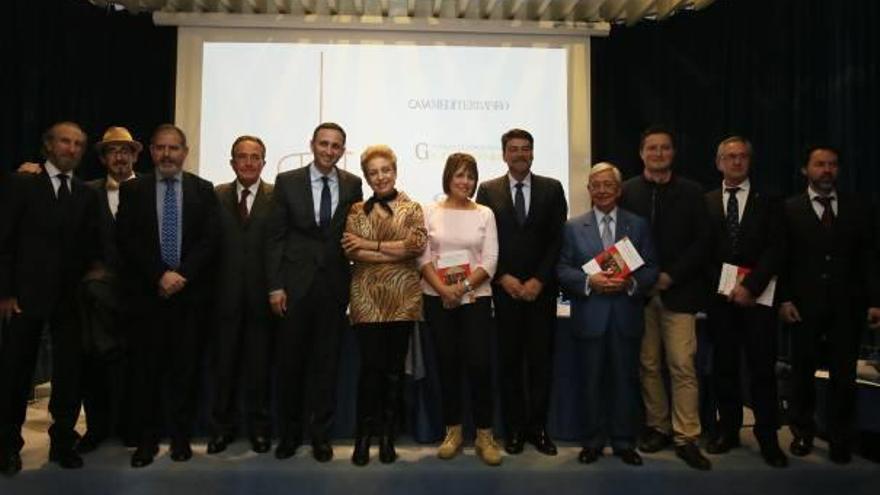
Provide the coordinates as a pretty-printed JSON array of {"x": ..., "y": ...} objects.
[{"x": 119, "y": 152}]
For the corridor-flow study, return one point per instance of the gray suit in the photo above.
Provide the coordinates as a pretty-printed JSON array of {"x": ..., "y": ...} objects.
[
  {"x": 244, "y": 320},
  {"x": 310, "y": 265}
]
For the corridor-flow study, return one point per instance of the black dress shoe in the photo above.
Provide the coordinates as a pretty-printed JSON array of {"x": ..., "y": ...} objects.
[
  {"x": 514, "y": 442},
  {"x": 839, "y": 453},
  {"x": 65, "y": 457},
  {"x": 629, "y": 456},
  {"x": 10, "y": 464},
  {"x": 361, "y": 454},
  {"x": 722, "y": 444},
  {"x": 654, "y": 441},
  {"x": 801, "y": 446},
  {"x": 144, "y": 455},
  {"x": 387, "y": 453},
  {"x": 692, "y": 456},
  {"x": 542, "y": 442},
  {"x": 181, "y": 451},
  {"x": 321, "y": 450},
  {"x": 90, "y": 443},
  {"x": 774, "y": 456},
  {"x": 589, "y": 455},
  {"x": 287, "y": 448},
  {"x": 261, "y": 444},
  {"x": 218, "y": 443}
]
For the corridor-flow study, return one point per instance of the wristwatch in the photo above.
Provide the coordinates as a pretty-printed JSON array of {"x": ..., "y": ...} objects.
[{"x": 467, "y": 286}]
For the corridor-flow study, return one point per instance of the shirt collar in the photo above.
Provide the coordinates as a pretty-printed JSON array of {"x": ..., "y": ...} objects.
[
  {"x": 813, "y": 194},
  {"x": 527, "y": 181},
  {"x": 53, "y": 171},
  {"x": 743, "y": 186},
  {"x": 600, "y": 215},
  {"x": 253, "y": 188},
  {"x": 316, "y": 174}
]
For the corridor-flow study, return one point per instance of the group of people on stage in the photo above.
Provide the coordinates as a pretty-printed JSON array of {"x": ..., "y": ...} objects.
[{"x": 133, "y": 274}]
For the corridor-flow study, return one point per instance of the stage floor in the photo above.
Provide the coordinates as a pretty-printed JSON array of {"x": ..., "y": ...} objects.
[{"x": 239, "y": 471}]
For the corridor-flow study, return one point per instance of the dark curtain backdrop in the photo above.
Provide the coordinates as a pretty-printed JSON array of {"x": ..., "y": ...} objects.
[
  {"x": 70, "y": 60},
  {"x": 782, "y": 72}
]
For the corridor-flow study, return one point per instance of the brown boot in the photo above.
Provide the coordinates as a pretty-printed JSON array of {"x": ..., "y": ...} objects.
[
  {"x": 486, "y": 447},
  {"x": 451, "y": 445}
]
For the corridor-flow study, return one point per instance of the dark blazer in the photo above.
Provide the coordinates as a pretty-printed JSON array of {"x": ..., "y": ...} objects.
[
  {"x": 761, "y": 239},
  {"x": 45, "y": 250},
  {"x": 591, "y": 315},
  {"x": 242, "y": 251},
  {"x": 138, "y": 238},
  {"x": 296, "y": 247},
  {"x": 836, "y": 267},
  {"x": 528, "y": 250},
  {"x": 680, "y": 229}
]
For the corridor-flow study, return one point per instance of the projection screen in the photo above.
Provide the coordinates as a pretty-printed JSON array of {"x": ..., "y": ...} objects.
[{"x": 424, "y": 94}]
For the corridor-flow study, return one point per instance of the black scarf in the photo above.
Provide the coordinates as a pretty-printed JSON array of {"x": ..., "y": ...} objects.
[{"x": 383, "y": 202}]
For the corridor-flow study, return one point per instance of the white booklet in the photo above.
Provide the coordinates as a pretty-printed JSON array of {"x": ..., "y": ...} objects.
[
  {"x": 732, "y": 275},
  {"x": 622, "y": 258}
]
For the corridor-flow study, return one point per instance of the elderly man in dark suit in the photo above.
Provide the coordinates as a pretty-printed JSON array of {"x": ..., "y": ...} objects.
[
  {"x": 530, "y": 211},
  {"x": 48, "y": 240},
  {"x": 607, "y": 316},
  {"x": 309, "y": 278},
  {"x": 245, "y": 327},
  {"x": 168, "y": 227},
  {"x": 829, "y": 287},
  {"x": 747, "y": 232}
]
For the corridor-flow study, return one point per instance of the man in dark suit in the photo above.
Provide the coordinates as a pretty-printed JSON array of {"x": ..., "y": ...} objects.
[
  {"x": 104, "y": 363},
  {"x": 168, "y": 228},
  {"x": 530, "y": 211},
  {"x": 747, "y": 232},
  {"x": 829, "y": 283},
  {"x": 48, "y": 240},
  {"x": 309, "y": 278},
  {"x": 676, "y": 211},
  {"x": 607, "y": 316},
  {"x": 245, "y": 326}
]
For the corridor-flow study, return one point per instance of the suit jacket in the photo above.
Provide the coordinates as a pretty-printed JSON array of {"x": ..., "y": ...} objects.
[
  {"x": 242, "y": 253},
  {"x": 138, "y": 239},
  {"x": 761, "y": 239},
  {"x": 829, "y": 268},
  {"x": 296, "y": 247},
  {"x": 591, "y": 315},
  {"x": 528, "y": 250},
  {"x": 44, "y": 249},
  {"x": 680, "y": 229}
]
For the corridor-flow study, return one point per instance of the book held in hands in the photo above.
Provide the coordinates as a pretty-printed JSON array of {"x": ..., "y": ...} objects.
[
  {"x": 621, "y": 259},
  {"x": 732, "y": 275}
]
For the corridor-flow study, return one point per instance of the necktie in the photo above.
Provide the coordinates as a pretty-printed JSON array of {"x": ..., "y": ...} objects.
[
  {"x": 607, "y": 237},
  {"x": 732, "y": 218},
  {"x": 828, "y": 212},
  {"x": 519, "y": 204},
  {"x": 170, "y": 255},
  {"x": 63, "y": 190},
  {"x": 326, "y": 205},
  {"x": 242, "y": 205}
]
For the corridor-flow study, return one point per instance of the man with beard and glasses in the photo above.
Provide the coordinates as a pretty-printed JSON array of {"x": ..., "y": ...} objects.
[
  {"x": 167, "y": 228},
  {"x": 829, "y": 287},
  {"x": 49, "y": 238}
]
